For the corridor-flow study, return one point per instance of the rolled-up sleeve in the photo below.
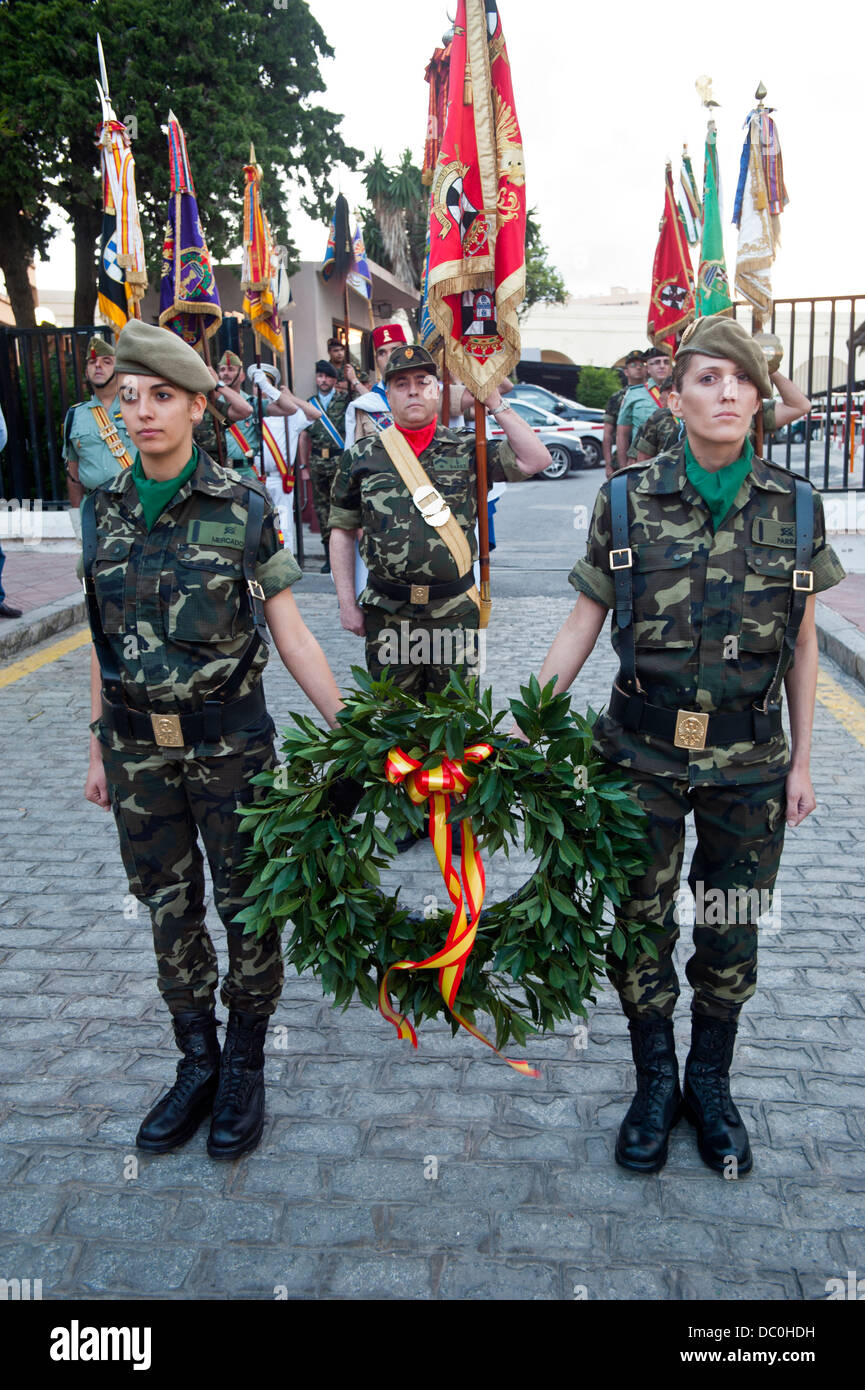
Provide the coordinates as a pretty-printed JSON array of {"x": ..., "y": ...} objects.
[
  {"x": 275, "y": 568},
  {"x": 345, "y": 513}
]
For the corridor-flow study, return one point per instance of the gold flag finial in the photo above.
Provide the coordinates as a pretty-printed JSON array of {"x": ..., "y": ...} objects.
[{"x": 760, "y": 92}]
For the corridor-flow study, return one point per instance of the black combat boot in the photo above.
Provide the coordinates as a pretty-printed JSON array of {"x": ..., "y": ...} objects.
[
  {"x": 325, "y": 569},
  {"x": 657, "y": 1106},
  {"x": 177, "y": 1115},
  {"x": 707, "y": 1103},
  {"x": 238, "y": 1110}
]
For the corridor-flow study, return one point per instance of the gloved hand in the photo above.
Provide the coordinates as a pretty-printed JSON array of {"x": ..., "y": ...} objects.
[
  {"x": 262, "y": 380},
  {"x": 343, "y": 796}
]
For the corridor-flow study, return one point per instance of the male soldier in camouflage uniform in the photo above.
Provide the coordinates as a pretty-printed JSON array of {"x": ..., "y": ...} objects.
[
  {"x": 95, "y": 450},
  {"x": 181, "y": 580},
  {"x": 321, "y": 445},
  {"x": 700, "y": 557},
  {"x": 635, "y": 375},
  {"x": 416, "y": 610}
]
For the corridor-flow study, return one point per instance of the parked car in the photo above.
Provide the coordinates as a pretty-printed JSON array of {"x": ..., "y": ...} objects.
[
  {"x": 591, "y": 421},
  {"x": 562, "y": 438}
]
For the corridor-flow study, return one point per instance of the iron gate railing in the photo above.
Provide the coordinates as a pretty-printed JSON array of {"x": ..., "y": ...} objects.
[
  {"x": 833, "y": 433},
  {"x": 41, "y": 376}
]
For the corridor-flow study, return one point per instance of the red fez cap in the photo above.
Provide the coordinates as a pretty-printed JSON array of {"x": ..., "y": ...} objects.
[{"x": 387, "y": 333}]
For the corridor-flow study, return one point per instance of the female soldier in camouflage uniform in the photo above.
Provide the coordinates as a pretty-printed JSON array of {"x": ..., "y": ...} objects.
[
  {"x": 183, "y": 570},
  {"x": 710, "y": 558}
]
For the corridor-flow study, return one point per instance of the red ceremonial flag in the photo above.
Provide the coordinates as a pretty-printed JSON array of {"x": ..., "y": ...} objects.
[
  {"x": 477, "y": 272},
  {"x": 672, "y": 304}
]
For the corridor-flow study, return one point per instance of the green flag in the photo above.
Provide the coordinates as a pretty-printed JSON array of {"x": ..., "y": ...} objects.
[{"x": 713, "y": 287}]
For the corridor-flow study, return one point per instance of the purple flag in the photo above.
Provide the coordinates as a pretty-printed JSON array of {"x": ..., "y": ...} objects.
[{"x": 189, "y": 302}]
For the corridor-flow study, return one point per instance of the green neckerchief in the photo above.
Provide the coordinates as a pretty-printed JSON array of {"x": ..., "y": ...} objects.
[
  {"x": 719, "y": 489},
  {"x": 155, "y": 495}
]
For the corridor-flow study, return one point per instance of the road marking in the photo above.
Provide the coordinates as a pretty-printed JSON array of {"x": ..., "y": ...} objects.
[
  {"x": 18, "y": 669},
  {"x": 846, "y": 710}
]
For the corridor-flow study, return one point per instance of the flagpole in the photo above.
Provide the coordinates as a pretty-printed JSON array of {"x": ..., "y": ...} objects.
[
  {"x": 446, "y": 390},
  {"x": 483, "y": 508},
  {"x": 220, "y": 437}
]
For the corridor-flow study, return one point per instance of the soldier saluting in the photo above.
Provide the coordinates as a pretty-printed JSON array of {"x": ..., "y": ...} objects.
[
  {"x": 184, "y": 574},
  {"x": 710, "y": 558}
]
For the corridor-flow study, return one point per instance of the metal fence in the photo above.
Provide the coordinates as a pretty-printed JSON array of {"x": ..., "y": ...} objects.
[
  {"x": 41, "y": 376},
  {"x": 828, "y": 445}
]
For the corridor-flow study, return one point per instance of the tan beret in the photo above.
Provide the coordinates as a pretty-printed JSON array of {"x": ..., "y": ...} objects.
[
  {"x": 230, "y": 359},
  {"x": 719, "y": 336},
  {"x": 146, "y": 350}
]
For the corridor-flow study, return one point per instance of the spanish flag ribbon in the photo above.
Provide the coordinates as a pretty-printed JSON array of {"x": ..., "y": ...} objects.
[{"x": 439, "y": 785}]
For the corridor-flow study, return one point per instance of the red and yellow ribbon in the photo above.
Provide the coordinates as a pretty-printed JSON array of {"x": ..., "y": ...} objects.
[{"x": 439, "y": 785}]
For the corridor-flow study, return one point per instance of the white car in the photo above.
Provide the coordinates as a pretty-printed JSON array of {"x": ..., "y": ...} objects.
[{"x": 569, "y": 441}]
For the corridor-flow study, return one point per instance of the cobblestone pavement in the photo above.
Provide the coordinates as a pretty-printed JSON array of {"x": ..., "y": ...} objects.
[{"x": 528, "y": 1202}]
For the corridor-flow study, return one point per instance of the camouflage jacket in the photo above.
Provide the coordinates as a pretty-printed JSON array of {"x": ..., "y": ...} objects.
[
  {"x": 694, "y": 591},
  {"x": 397, "y": 543},
  {"x": 322, "y": 445},
  {"x": 173, "y": 600},
  {"x": 660, "y": 432},
  {"x": 613, "y": 406}
]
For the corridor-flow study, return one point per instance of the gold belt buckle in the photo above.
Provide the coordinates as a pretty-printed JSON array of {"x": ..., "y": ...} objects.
[
  {"x": 167, "y": 730},
  {"x": 256, "y": 590},
  {"x": 419, "y": 593},
  {"x": 803, "y": 581},
  {"x": 691, "y": 729}
]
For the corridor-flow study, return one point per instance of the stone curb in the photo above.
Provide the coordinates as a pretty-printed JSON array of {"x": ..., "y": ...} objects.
[
  {"x": 841, "y": 640},
  {"x": 40, "y": 623}
]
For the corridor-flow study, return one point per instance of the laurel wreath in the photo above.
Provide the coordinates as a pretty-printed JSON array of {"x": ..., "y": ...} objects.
[{"x": 539, "y": 954}]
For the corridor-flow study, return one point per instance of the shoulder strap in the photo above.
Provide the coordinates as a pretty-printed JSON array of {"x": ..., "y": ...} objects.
[
  {"x": 327, "y": 422},
  {"x": 104, "y": 655},
  {"x": 621, "y": 564},
  {"x": 67, "y": 427},
  {"x": 416, "y": 480},
  {"x": 802, "y": 586}
]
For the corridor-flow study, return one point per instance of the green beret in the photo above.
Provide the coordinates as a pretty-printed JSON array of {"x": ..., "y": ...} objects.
[
  {"x": 719, "y": 336},
  {"x": 146, "y": 350},
  {"x": 230, "y": 359},
  {"x": 97, "y": 347},
  {"x": 406, "y": 358}
]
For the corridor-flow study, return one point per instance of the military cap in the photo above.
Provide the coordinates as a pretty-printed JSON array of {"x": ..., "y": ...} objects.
[
  {"x": 635, "y": 356},
  {"x": 146, "y": 350},
  {"x": 652, "y": 352},
  {"x": 97, "y": 347},
  {"x": 271, "y": 371},
  {"x": 230, "y": 359},
  {"x": 326, "y": 367},
  {"x": 334, "y": 342},
  {"x": 407, "y": 358},
  {"x": 386, "y": 333},
  {"x": 718, "y": 336}
]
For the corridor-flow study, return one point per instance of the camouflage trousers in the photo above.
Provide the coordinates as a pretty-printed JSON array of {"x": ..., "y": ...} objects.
[
  {"x": 322, "y": 473},
  {"x": 740, "y": 835},
  {"x": 160, "y": 805},
  {"x": 420, "y": 653}
]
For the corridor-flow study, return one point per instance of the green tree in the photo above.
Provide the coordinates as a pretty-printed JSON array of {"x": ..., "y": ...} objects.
[
  {"x": 396, "y": 223},
  {"x": 544, "y": 284},
  {"x": 232, "y": 72},
  {"x": 597, "y": 385}
]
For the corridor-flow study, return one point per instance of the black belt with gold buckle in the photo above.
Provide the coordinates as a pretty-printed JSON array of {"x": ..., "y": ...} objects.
[
  {"x": 180, "y": 730},
  {"x": 421, "y": 593},
  {"x": 691, "y": 729}
]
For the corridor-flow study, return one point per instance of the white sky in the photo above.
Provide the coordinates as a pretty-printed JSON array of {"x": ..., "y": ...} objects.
[{"x": 605, "y": 95}]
